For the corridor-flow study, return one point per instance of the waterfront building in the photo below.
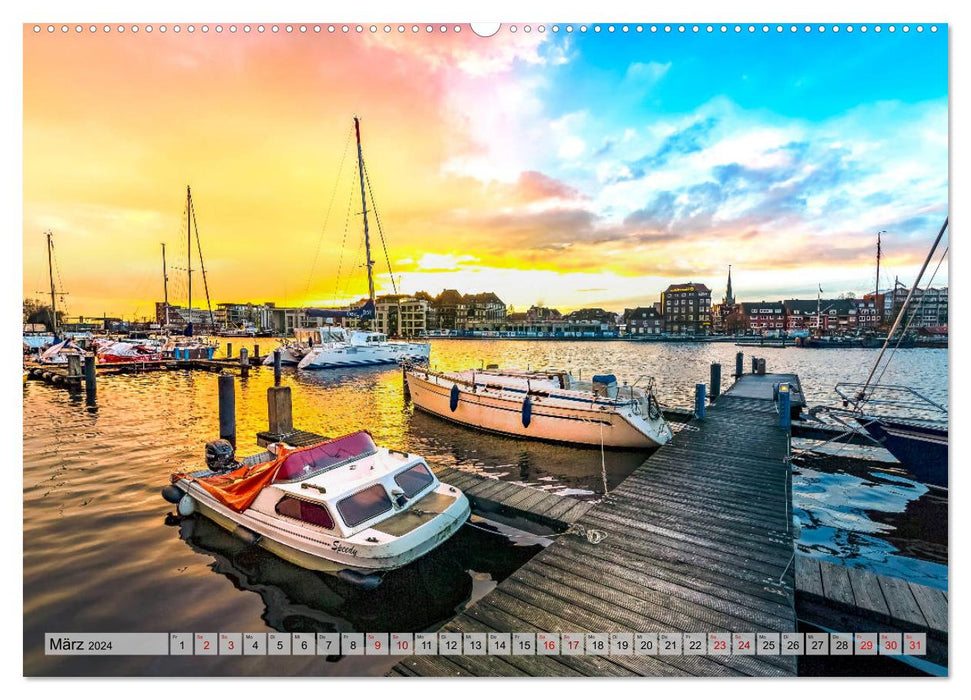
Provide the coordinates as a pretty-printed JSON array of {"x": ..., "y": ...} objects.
[
  {"x": 238, "y": 315},
  {"x": 484, "y": 308},
  {"x": 836, "y": 316},
  {"x": 643, "y": 320},
  {"x": 400, "y": 315},
  {"x": 765, "y": 316},
  {"x": 450, "y": 310},
  {"x": 686, "y": 308},
  {"x": 284, "y": 319}
]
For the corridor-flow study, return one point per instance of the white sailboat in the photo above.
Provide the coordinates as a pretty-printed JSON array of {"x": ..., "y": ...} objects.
[
  {"x": 550, "y": 405},
  {"x": 364, "y": 348},
  {"x": 345, "y": 506}
]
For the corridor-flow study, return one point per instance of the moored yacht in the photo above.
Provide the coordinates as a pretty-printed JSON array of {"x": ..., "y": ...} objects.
[
  {"x": 364, "y": 348},
  {"x": 548, "y": 405},
  {"x": 345, "y": 506}
]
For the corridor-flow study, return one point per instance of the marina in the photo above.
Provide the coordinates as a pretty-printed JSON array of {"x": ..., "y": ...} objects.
[{"x": 544, "y": 495}]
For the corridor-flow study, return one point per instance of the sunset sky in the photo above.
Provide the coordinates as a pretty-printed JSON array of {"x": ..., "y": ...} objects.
[{"x": 575, "y": 169}]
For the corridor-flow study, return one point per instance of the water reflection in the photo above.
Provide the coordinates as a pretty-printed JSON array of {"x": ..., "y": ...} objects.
[
  {"x": 419, "y": 597},
  {"x": 871, "y": 515}
]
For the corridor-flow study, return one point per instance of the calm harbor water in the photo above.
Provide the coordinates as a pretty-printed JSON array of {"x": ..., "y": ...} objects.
[{"x": 101, "y": 552}]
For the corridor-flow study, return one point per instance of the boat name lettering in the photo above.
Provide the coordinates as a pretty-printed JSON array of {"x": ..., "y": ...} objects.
[{"x": 343, "y": 548}]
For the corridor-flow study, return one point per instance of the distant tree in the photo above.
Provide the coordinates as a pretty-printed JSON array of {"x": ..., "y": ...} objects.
[
  {"x": 736, "y": 322},
  {"x": 36, "y": 311},
  {"x": 847, "y": 295}
]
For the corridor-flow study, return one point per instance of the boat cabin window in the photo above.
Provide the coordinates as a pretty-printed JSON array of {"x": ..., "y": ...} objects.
[
  {"x": 414, "y": 480},
  {"x": 364, "y": 505},
  {"x": 312, "y": 513},
  {"x": 305, "y": 463}
]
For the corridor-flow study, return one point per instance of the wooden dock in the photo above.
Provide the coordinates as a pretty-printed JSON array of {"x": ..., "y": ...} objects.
[
  {"x": 842, "y": 598},
  {"x": 60, "y": 375},
  {"x": 697, "y": 539}
]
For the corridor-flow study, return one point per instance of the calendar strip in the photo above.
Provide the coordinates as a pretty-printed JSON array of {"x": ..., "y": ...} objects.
[{"x": 491, "y": 644}]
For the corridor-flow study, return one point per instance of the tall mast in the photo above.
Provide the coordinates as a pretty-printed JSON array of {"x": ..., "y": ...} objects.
[
  {"x": 876, "y": 291},
  {"x": 165, "y": 285},
  {"x": 367, "y": 239},
  {"x": 188, "y": 228},
  {"x": 50, "y": 272}
]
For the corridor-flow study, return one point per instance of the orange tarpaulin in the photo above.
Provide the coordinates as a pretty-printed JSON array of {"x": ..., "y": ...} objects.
[{"x": 239, "y": 488}]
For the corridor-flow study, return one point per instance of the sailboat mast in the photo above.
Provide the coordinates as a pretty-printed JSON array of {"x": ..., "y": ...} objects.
[
  {"x": 367, "y": 238},
  {"x": 50, "y": 272},
  {"x": 188, "y": 228},
  {"x": 876, "y": 290},
  {"x": 165, "y": 285}
]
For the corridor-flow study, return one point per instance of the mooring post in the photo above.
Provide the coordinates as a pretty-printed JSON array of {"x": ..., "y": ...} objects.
[
  {"x": 785, "y": 418},
  {"x": 90, "y": 380},
  {"x": 227, "y": 407},
  {"x": 73, "y": 365},
  {"x": 280, "y": 410},
  {"x": 761, "y": 366},
  {"x": 755, "y": 365},
  {"x": 700, "y": 401},
  {"x": 229, "y": 350},
  {"x": 715, "y": 380},
  {"x": 256, "y": 352},
  {"x": 244, "y": 362},
  {"x": 739, "y": 358},
  {"x": 277, "y": 367}
]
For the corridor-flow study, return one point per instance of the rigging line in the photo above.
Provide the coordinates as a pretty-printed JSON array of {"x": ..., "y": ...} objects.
[
  {"x": 913, "y": 315},
  {"x": 202, "y": 265},
  {"x": 377, "y": 218},
  {"x": 930, "y": 255},
  {"x": 340, "y": 260},
  {"x": 333, "y": 195}
]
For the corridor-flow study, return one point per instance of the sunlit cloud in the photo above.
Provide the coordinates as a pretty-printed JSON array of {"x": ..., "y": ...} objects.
[{"x": 588, "y": 170}]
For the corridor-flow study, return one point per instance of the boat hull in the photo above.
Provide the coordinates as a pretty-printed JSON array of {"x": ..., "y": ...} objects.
[
  {"x": 327, "y": 553},
  {"x": 921, "y": 449},
  {"x": 583, "y": 424},
  {"x": 365, "y": 355}
]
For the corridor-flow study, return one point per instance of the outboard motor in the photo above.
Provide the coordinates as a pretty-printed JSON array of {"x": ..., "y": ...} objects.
[
  {"x": 220, "y": 456},
  {"x": 605, "y": 385}
]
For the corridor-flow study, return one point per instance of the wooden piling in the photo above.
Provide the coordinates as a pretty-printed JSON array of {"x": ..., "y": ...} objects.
[
  {"x": 715, "y": 380},
  {"x": 755, "y": 365},
  {"x": 279, "y": 410},
  {"x": 229, "y": 350},
  {"x": 256, "y": 351},
  {"x": 739, "y": 358},
  {"x": 90, "y": 379},
  {"x": 700, "y": 401},
  {"x": 277, "y": 367},
  {"x": 784, "y": 406},
  {"x": 227, "y": 407},
  {"x": 73, "y": 366},
  {"x": 244, "y": 362}
]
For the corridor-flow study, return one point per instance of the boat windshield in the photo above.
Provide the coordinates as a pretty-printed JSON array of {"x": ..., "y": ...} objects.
[{"x": 305, "y": 463}]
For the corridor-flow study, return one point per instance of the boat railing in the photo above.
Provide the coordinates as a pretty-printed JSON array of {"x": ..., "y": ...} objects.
[{"x": 889, "y": 401}]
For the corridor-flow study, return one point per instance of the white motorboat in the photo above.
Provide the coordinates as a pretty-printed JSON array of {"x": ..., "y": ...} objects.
[
  {"x": 346, "y": 506},
  {"x": 364, "y": 348},
  {"x": 549, "y": 405},
  {"x": 304, "y": 339}
]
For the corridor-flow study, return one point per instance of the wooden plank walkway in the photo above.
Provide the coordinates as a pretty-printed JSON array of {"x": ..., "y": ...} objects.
[
  {"x": 760, "y": 386},
  {"x": 849, "y": 599},
  {"x": 697, "y": 539}
]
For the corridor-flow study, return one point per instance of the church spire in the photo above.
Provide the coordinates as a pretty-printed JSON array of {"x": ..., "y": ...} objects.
[{"x": 729, "y": 296}]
